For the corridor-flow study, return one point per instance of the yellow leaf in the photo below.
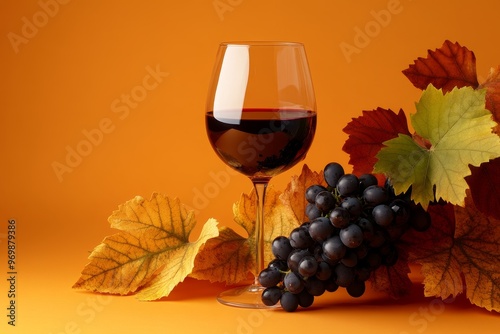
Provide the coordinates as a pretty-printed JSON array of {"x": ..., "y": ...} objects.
[
  {"x": 279, "y": 220},
  {"x": 226, "y": 258},
  {"x": 151, "y": 253}
]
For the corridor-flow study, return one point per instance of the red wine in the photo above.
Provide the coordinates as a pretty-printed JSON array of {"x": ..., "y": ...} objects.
[{"x": 262, "y": 143}]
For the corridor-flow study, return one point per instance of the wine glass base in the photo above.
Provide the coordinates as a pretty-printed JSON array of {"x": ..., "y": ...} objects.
[{"x": 244, "y": 297}]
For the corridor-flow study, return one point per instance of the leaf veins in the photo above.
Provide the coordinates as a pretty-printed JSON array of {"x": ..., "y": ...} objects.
[{"x": 150, "y": 254}]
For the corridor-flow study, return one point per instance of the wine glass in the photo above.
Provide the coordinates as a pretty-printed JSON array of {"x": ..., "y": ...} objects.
[{"x": 260, "y": 120}]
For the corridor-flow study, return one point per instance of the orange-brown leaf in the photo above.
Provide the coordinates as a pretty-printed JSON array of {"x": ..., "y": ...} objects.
[
  {"x": 226, "y": 258},
  {"x": 150, "y": 254},
  {"x": 460, "y": 252},
  {"x": 477, "y": 249},
  {"x": 294, "y": 194}
]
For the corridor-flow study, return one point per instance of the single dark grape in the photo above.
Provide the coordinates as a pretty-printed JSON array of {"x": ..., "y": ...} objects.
[
  {"x": 373, "y": 260},
  {"x": 347, "y": 185},
  {"x": 321, "y": 229},
  {"x": 278, "y": 264},
  {"x": 308, "y": 266},
  {"x": 332, "y": 173},
  {"x": 312, "y": 211},
  {"x": 362, "y": 251},
  {"x": 362, "y": 273},
  {"x": 269, "y": 277},
  {"x": 389, "y": 254},
  {"x": 356, "y": 289},
  {"x": 293, "y": 283},
  {"x": 339, "y": 217},
  {"x": 281, "y": 247},
  {"x": 344, "y": 275},
  {"x": 315, "y": 286},
  {"x": 300, "y": 238},
  {"x": 305, "y": 224},
  {"x": 317, "y": 251},
  {"x": 390, "y": 189},
  {"x": 367, "y": 180},
  {"x": 331, "y": 285},
  {"x": 295, "y": 257},
  {"x": 289, "y": 301},
  {"x": 379, "y": 237},
  {"x": 367, "y": 227},
  {"x": 305, "y": 299},
  {"x": 351, "y": 236},
  {"x": 312, "y": 191},
  {"x": 401, "y": 211},
  {"x": 324, "y": 271},
  {"x": 271, "y": 296},
  {"x": 350, "y": 259},
  {"x": 383, "y": 215},
  {"x": 353, "y": 205},
  {"x": 375, "y": 195},
  {"x": 334, "y": 249},
  {"x": 325, "y": 201}
]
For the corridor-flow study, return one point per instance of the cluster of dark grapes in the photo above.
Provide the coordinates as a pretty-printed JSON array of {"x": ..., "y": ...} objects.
[{"x": 352, "y": 229}]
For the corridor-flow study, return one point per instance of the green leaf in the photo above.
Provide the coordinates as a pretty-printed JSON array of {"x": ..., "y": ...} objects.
[{"x": 458, "y": 128}]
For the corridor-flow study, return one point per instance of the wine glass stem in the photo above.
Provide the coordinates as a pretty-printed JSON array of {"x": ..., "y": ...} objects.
[{"x": 260, "y": 192}]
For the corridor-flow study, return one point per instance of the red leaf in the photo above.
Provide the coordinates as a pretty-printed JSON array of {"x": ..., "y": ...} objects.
[
  {"x": 484, "y": 183},
  {"x": 447, "y": 67},
  {"x": 367, "y": 134},
  {"x": 492, "y": 85}
]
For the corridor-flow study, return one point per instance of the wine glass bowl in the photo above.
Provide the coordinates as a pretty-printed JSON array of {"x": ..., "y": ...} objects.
[
  {"x": 269, "y": 141},
  {"x": 260, "y": 120}
]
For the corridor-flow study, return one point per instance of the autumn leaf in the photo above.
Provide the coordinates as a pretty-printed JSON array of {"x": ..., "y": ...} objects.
[
  {"x": 458, "y": 128},
  {"x": 484, "y": 183},
  {"x": 294, "y": 194},
  {"x": 492, "y": 86},
  {"x": 150, "y": 254},
  {"x": 393, "y": 280},
  {"x": 448, "y": 67},
  {"x": 477, "y": 249},
  {"x": 367, "y": 134},
  {"x": 230, "y": 257},
  {"x": 432, "y": 249},
  {"x": 459, "y": 253},
  {"x": 226, "y": 258}
]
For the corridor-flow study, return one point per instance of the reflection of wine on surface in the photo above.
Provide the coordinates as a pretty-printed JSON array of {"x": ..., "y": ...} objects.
[{"x": 262, "y": 142}]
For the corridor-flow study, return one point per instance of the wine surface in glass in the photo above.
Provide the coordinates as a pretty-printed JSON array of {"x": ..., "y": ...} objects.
[{"x": 262, "y": 143}]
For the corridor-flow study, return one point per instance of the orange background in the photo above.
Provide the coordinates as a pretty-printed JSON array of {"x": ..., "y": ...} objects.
[{"x": 67, "y": 68}]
